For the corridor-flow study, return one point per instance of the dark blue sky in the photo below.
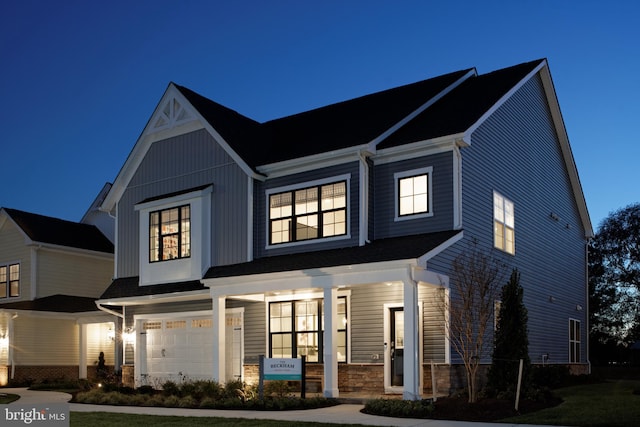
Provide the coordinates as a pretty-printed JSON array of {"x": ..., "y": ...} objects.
[{"x": 80, "y": 79}]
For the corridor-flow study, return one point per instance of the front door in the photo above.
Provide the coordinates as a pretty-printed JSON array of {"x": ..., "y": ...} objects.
[
  {"x": 234, "y": 345},
  {"x": 396, "y": 343}
]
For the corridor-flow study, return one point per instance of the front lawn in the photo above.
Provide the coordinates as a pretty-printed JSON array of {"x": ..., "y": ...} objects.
[
  {"x": 609, "y": 404},
  {"x": 108, "y": 419}
]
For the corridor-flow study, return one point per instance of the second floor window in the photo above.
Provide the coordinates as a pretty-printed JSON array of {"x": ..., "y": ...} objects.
[
  {"x": 413, "y": 193},
  {"x": 10, "y": 280},
  {"x": 170, "y": 234},
  {"x": 308, "y": 213},
  {"x": 503, "y": 224}
]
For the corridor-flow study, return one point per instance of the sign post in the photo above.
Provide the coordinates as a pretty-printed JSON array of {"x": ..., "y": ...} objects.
[{"x": 282, "y": 369}]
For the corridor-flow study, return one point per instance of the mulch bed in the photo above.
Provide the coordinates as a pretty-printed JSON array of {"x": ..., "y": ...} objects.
[{"x": 459, "y": 409}]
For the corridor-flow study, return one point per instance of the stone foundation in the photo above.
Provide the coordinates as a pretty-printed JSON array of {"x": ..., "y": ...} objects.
[
  {"x": 35, "y": 374},
  {"x": 128, "y": 376}
]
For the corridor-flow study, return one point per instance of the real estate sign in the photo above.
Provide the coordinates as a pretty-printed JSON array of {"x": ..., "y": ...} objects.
[{"x": 282, "y": 369}]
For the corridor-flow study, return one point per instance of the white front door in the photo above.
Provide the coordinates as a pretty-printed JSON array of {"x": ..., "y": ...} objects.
[{"x": 234, "y": 343}]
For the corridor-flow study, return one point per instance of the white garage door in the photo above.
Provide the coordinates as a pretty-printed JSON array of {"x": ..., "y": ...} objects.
[{"x": 180, "y": 349}]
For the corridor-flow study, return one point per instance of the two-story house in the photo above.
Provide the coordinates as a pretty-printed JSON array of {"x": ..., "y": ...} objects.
[
  {"x": 331, "y": 233},
  {"x": 51, "y": 273}
]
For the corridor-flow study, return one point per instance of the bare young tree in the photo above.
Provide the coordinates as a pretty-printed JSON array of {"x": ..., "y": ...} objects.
[{"x": 468, "y": 312}]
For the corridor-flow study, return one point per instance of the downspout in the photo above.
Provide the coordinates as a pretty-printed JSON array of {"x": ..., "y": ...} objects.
[
  {"x": 11, "y": 346},
  {"x": 586, "y": 320},
  {"x": 364, "y": 199}
]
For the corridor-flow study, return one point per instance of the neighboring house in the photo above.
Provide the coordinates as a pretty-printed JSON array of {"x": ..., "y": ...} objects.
[
  {"x": 51, "y": 273},
  {"x": 331, "y": 233}
]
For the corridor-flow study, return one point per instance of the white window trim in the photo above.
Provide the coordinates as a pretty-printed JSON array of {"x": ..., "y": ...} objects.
[
  {"x": 578, "y": 340},
  {"x": 346, "y": 293},
  {"x": 396, "y": 180},
  {"x": 493, "y": 220},
  {"x": 179, "y": 269},
  {"x": 315, "y": 183}
]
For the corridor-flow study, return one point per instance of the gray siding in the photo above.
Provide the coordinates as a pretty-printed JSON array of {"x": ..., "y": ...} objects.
[
  {"x": 255, "y": 329},
  {"x": 261, "y": 216},
  {"x": 516, "y": 152},
  {"x": 178, "y": 164},
  {"x": 385, "y": 197}
]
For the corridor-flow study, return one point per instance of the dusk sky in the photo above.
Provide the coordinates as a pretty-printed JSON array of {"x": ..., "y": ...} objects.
[{"x": 80, "y": 79}]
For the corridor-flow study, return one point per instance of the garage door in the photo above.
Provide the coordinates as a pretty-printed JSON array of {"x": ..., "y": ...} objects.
[{"x": 179, "y": 349}]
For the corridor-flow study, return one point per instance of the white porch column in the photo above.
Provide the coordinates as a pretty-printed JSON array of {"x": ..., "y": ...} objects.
[
  {"x": 330, "y": 350},
  {"x": 411, "y": 342},
  {"x": 219, "y": 329},
  {"x": 82, "y": 364}
]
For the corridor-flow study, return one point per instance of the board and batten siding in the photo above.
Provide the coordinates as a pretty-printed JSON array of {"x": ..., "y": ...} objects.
[
  {"x": 45, "y": 341},
  {"x": 181, "y": 163},
  {"x": 69, "y": 274},
  {"x": 262, "y": 217},
  {"x": 442, "y": 198},
  {"x": 516, "y": 152},
  {"x": 12, "y": 250}
]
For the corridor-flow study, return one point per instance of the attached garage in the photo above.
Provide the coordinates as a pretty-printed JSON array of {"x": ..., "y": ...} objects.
[{"x": 179, "y": 347}]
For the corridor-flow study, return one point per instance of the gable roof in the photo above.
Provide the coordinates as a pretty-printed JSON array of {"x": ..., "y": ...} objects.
[
  {"x": 450, "y": 105},
  {"x": 462, "y": 107},
  {"x": 55, "y": 231},
  {"x": 55, "y": 303}
]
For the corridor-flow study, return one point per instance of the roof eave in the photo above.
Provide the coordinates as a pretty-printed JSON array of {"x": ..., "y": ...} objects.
[{"x": 315, "y": 161}]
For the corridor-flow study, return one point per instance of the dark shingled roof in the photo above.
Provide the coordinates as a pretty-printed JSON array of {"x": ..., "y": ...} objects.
[
  {"x": 55, "y": 303},
  {"x": 390, "y": 249},
  {"x": 396, "y": 248},
  {"x": 45, "y": 229},
  {"x": 462, "y": 107},
  {"x": 359, "y": 121},
  {"x": 129, "y": 287},
  {"x": 342, "y": 125}
]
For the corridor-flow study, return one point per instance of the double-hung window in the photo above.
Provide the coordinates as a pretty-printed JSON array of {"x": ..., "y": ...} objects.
[
  {"x": 170, "y": 234},
  {"x": 295, "y": 329},
  {"x": 9, "y": 280},
  {"x": 503, "y": 224},
  {"x": 314, "y": 212},
  {"x": 574, "y": 341},
  {"x": 413, "y": 193}
]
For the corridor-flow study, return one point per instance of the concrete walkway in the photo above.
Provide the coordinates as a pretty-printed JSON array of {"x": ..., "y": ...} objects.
[{"x": 341, "y": 414}]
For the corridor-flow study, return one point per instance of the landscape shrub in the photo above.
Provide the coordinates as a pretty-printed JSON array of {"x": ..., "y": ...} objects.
[
  {"x": 551, "y": 376},
  {"x": 205, "y": 394},
  {"x": 400, "y": 408}
]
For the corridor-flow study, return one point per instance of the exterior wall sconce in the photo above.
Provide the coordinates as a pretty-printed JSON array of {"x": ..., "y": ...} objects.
[
  {"x": 578, "y": 307},
  {"x": 129, "y": 336},
  {"x": 111, "y": 335}
]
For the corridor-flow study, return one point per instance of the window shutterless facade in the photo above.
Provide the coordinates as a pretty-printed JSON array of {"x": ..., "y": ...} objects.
[
  {"x": 413, "y": 194},
  {"x": 9, "y": 280},
  {"x": 574, "y": 341},
  {"x": 503, "y": 224},
  {"x": 308, "y": 213},
  {"x": 295, "y": 329},
  {"x": 170, "y": 234}
]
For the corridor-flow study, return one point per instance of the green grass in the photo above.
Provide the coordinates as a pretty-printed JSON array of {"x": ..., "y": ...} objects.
[
  {"x": 609, "y": 404},
  {"x": 108, "y": 419},
  {"x": 8, "y": 398}
]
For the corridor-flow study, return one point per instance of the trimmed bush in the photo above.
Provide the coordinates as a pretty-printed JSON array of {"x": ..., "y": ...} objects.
[{"x": 400, "y": 408}]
